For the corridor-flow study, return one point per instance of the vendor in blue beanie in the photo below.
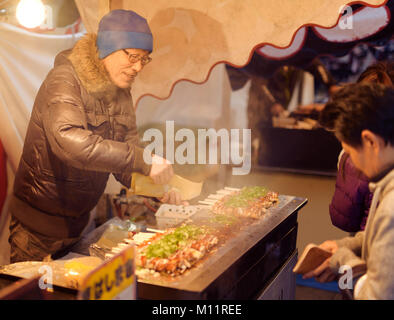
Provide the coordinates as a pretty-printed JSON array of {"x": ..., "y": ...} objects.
[
  {"x": 120, "y": 33},
  {"x": 82, "y": 129}
]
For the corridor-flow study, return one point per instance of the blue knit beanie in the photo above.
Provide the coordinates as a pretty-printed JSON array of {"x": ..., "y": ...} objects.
[{"x": 122, "y": 29}]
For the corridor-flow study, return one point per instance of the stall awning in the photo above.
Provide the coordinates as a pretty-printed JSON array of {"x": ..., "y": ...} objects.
[
  {"x": 190, "y": 37},
  {"x": 373, "y": 26}
]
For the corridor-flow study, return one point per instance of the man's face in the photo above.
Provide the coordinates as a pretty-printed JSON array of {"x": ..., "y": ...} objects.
[
  {"x": 358, "y": 156},
  {"x": 120, "y": 67},
  {"x": 366, "y": 158}
]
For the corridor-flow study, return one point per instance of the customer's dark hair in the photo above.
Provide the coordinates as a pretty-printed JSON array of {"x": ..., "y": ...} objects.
[
  {"x": 381, "y": 72},
  {"x": 358, "y": 107}
]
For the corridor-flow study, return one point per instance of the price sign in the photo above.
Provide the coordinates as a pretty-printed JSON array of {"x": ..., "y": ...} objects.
[{"x": 115, "y": 279}]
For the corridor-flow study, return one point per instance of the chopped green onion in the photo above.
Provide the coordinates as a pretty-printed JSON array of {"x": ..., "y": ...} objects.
[{"x": 246, "y": 194}]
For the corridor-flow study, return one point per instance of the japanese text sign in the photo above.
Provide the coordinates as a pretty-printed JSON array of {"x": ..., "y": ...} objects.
[{"x": 115, "y": 279}]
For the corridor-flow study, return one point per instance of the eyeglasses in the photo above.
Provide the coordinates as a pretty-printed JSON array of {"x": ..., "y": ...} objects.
[{"x": 134, "y": 58}]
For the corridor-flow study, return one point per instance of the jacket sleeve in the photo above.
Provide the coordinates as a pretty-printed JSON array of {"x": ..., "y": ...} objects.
[
  {"x": 65, "y": 125},
  {"x": 348, "y": 253},
  {"x": 380, "y": 262},
  {"x": 344, "y": 256},
  {"x": 131, "y": 138},
  {"x": 352, "y": 243}
]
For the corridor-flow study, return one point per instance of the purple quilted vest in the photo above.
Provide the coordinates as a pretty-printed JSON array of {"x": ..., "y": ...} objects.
[{"x": 352, "y": 198}]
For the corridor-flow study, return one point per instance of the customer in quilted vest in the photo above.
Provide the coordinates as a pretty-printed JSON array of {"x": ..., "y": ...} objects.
[
  {"x": 362, "y": 117},
  {"x": 352, "y": 198}
]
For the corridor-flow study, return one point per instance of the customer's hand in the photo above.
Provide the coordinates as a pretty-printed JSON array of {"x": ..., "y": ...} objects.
[
  {"x": 322, "y": 273},
  {"x": 161, "y": 171},
  {"x": 329, "y": 245},
  {"x": 277, "y": 109}
]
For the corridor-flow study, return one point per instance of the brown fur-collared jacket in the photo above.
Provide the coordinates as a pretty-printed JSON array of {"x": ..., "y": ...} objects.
[{"x": 82, "y": 128}]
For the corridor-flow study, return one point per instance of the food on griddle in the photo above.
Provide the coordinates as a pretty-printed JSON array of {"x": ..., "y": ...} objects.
[
  {"x": 175, "y": 251},
  {"x": 224, "y": 220},
  {"x": 248, "y": 202}
]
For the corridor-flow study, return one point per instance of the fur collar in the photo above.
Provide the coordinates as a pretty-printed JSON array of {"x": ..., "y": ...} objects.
[{"x": 90, "y": 69}]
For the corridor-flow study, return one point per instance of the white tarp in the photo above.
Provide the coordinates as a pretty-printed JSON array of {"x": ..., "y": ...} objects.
[
  {"x": 192, "y": 105},
  {"x": 25, "y": 59}
]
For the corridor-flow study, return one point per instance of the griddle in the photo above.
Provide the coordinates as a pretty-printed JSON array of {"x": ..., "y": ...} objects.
[{"x": 240, "y": 267}]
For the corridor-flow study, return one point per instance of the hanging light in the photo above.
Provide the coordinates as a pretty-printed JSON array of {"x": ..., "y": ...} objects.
[{"x": 30, "y": 13}]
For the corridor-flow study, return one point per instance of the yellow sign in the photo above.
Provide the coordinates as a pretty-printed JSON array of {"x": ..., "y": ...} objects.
[{"x": 115, "y": 279}]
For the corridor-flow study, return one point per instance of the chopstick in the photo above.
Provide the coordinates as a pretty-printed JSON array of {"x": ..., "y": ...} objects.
[{"x": 154, "y": 230}]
